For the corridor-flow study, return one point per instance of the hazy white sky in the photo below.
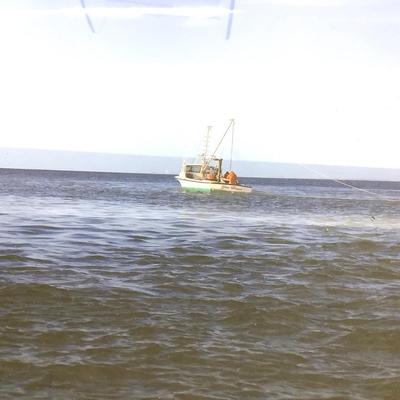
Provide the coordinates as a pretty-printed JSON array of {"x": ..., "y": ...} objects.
[{"x": 308, "y": 81}]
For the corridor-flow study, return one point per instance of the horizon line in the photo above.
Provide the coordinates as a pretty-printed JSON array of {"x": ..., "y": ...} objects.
[
  {"x": 173, "y": 175},
  {"x": 293, "y": 163}
]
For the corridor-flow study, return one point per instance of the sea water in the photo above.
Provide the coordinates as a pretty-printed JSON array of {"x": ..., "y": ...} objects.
[{"x": 121, "y": 286}]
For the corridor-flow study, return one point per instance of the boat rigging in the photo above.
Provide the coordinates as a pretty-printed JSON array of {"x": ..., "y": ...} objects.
[{"x": 206, "y": 175}]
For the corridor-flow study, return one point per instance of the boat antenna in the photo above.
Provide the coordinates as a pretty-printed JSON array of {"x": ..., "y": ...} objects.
[{"x": 231, "y": 123}]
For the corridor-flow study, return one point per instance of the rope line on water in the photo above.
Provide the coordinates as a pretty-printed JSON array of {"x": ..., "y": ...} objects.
[{"x": 346, "y": 184}]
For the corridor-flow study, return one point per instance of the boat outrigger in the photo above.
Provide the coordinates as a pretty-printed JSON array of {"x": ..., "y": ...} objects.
[{"x": 206, "y": 175}]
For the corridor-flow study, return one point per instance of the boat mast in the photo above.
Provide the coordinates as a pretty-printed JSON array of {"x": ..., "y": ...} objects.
[
  {"x": 206, "y": 141},
  {"x": 233, "y": 129}
]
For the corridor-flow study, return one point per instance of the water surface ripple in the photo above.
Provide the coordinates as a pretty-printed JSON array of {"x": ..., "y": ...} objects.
[{"x": 122, "y": 287}]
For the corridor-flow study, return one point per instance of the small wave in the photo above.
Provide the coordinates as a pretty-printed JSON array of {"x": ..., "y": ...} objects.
[
  {"x": 19, "y": 258},
  {"x": 32, "y": 291}
]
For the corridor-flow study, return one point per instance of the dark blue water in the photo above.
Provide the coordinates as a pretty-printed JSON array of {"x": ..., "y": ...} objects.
[{"x": 120, "y": 286}]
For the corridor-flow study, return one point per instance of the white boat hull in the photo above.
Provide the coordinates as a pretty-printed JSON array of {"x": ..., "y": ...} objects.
[{"x": 195, "y": 185}]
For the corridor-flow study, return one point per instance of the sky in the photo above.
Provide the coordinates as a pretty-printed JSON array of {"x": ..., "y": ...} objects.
[{"x": 307, "y": 81}]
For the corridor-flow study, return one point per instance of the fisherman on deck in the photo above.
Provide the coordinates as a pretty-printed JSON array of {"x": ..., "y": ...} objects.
[{"x": 231, "y": 178}]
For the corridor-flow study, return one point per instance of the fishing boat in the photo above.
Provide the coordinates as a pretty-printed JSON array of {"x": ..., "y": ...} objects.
[{"x": 206, "y": 175}]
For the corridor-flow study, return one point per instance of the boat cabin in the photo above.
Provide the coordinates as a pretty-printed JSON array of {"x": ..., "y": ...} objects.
[{"x": 210, "y": 170}]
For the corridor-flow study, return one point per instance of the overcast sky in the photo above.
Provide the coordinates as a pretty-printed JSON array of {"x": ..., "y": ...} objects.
[{"x": 307, "y": 81}]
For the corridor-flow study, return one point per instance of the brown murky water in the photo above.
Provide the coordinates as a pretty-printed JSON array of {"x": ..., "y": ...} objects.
[{"x": 122, "y": 287}]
